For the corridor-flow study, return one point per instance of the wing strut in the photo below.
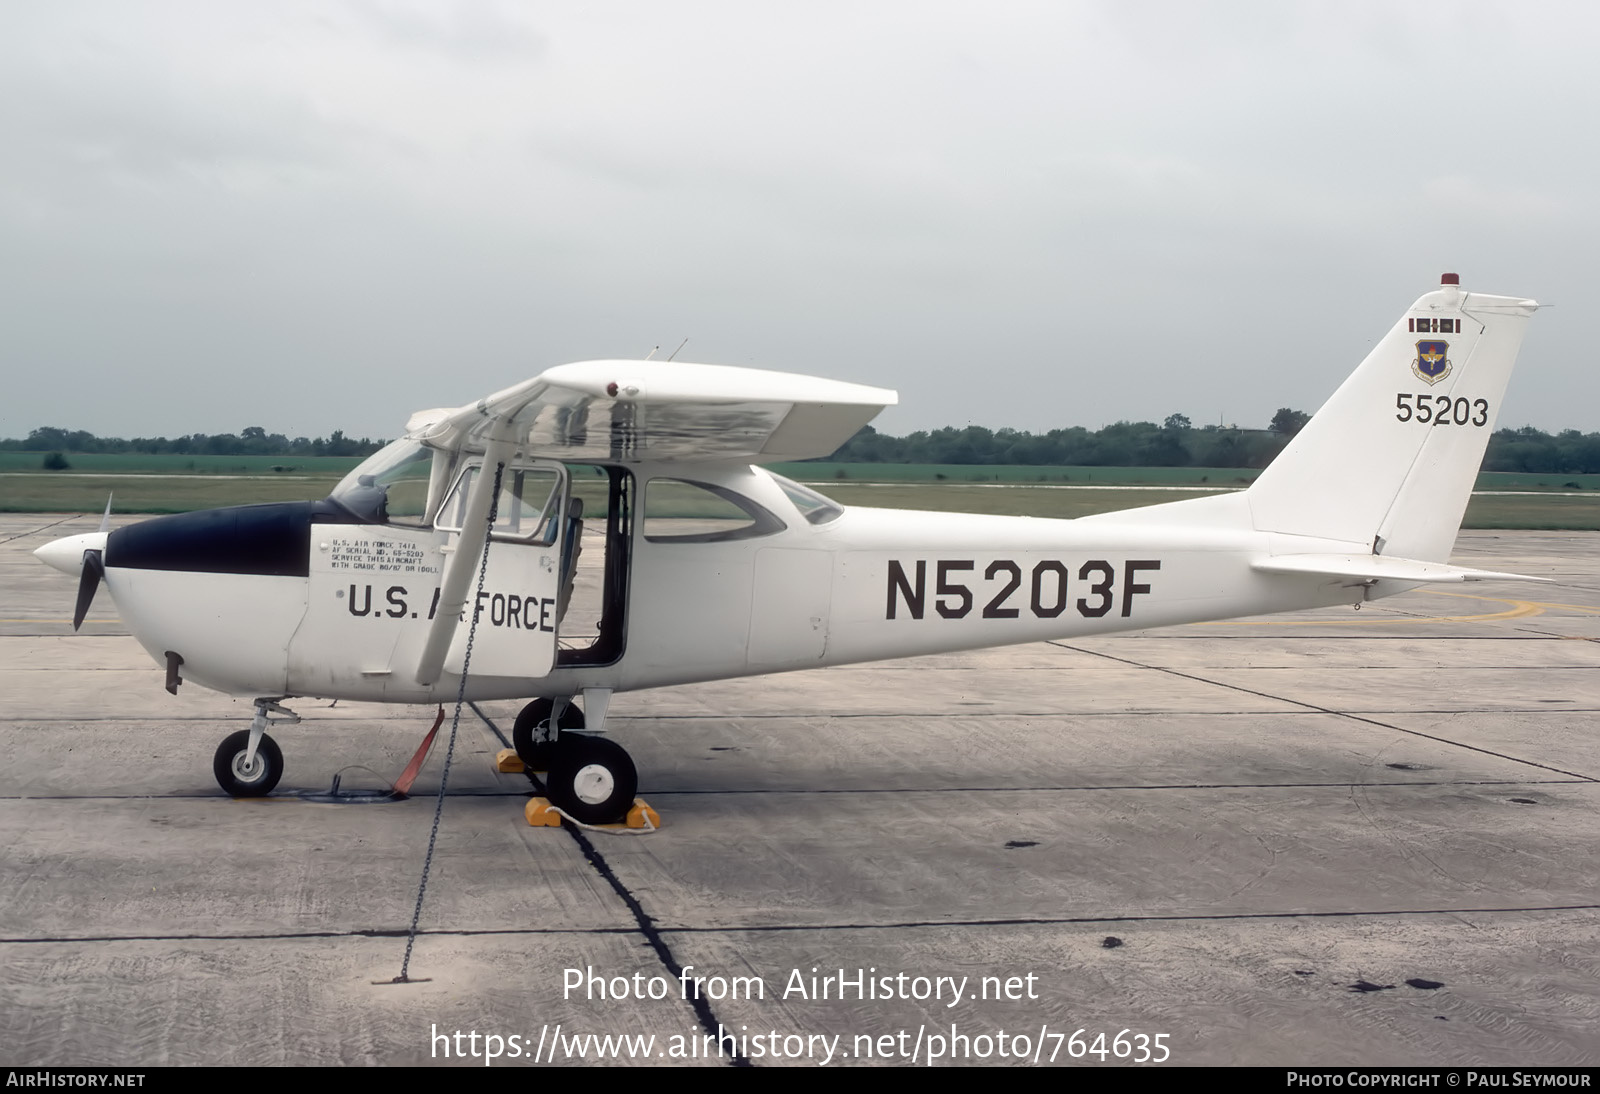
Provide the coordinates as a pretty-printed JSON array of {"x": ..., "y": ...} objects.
[{"x": 468, "y": 550}]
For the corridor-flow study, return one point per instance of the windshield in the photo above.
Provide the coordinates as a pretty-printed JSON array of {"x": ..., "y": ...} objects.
[
  {"x": 389, "y": 486},
  {"x": 812, "y": 505}
]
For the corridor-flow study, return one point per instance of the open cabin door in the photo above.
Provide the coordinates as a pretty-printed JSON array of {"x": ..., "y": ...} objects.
[{"x": 519, "y": 608}]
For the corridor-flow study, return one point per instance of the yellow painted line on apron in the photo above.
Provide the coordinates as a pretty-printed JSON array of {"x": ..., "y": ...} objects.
[{"x": 1549, "y": 605}]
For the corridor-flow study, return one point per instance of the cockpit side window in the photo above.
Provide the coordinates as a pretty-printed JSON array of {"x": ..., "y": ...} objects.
[
  {"x": 680, "y": 511},
  {"x": 527, "y": 509}
]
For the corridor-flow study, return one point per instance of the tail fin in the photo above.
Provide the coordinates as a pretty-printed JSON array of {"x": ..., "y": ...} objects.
[{"x": 1390, "y": 459}]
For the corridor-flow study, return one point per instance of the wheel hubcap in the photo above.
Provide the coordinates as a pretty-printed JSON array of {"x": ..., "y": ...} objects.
[
  {"x": 593, "y": 784},
  {"x": 250, "y": 772}
]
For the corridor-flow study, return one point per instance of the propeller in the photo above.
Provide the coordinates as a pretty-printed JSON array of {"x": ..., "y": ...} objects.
[
  {"x": 84, "y": 555},
  {"x": 93, "y": 570}
]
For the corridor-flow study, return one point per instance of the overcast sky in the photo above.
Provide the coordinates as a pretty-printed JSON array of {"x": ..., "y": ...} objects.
[{"x": 321, "y": 215}]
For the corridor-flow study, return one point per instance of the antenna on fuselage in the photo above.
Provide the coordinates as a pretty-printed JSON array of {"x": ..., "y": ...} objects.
[{"x": 675, "y": 352}]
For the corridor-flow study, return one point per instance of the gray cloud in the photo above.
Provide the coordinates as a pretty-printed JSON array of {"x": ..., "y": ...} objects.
[{"x": 318, "y": 215}]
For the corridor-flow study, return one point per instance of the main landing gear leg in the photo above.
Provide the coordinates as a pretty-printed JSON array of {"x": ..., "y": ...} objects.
[
  {"x": 591, "y": 779},
  {"x": 248, "y": 764},
  {"x": 539, "y": 726}
]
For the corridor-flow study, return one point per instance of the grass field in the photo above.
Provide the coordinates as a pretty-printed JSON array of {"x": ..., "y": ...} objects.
[
  {"x": 85, "y": 492},
  {"x": 822, "y": 472},
  {"x": 90, "y": 463},
  {"x": 1018, "y": 473},
  {"x": 336, "y": 466},
  {"x": 1483, "y": 511},
  {"x": 1535, "y": 513},
  {"x": 128, "y": 463}
]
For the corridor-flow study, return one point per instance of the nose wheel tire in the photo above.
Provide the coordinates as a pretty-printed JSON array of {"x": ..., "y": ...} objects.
[
  {"x": 592, "y": 779},
  {"x": 536, "y": 751},
  {"x": 241, "y": 780}
]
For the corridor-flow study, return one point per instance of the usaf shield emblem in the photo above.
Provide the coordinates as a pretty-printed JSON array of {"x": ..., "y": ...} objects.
[{"x": 1431, "y": 364}]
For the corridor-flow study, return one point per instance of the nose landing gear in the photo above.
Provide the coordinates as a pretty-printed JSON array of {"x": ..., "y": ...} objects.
[{"x": 248, "y": 764}]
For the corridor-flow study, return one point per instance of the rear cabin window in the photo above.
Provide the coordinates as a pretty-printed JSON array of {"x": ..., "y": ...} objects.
[
  {"x": 812, "y": 505},
  {"x": 680, "y": 511}
]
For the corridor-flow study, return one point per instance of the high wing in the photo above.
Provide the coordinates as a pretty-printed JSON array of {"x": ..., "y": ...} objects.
[
  {"x": 636, "y": 411},
  {"x": 631, "y": 412}
]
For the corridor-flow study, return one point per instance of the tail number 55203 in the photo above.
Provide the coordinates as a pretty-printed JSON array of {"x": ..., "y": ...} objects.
[{"x": 1441, "y": 409}]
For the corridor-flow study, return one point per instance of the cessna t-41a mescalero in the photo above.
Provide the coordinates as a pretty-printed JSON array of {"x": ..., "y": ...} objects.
[{"x": 710, "y": 567}]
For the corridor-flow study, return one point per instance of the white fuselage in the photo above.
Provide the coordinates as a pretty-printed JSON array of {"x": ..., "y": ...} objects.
[{"x": 868, "y": 585}]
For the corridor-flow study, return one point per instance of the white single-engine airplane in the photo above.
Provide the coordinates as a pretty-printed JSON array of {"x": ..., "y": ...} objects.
[{"x": 714, "y": 568}]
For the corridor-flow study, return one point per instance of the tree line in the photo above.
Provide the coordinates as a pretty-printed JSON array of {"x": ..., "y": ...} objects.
[
  {"x": 1176, "y": 442},
  {"x": 250, "y": 441}
]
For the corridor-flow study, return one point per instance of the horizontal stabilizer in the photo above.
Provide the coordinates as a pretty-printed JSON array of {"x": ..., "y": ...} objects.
[{"x": 1379, "y": 568}]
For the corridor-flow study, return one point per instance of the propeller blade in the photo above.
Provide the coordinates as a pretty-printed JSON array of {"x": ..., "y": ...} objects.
[
  {"x": 94, "y": 568},
  {"x": 105, "y": 521}
]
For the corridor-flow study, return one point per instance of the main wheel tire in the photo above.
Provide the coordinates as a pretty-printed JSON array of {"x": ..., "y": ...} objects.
[
  {"x": 592, "y": 779},
  {"x": 537, "y": 754},
  {"x": 255, "y": 780}
]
